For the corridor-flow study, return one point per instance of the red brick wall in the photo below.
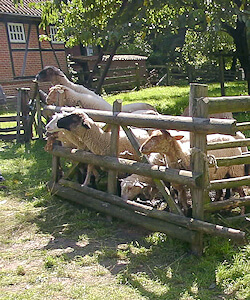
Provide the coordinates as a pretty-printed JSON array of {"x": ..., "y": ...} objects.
[{"x": 33, "y": 61}]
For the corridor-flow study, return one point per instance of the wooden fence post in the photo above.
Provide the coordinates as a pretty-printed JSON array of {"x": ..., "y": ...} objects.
[
  {"x": 137, "y": 76},
  {"x": 25, "y": 113},
  {"x": 114, "y": 142},
  {"x": 18, "y": 118},
  {"x": 198, "y": 108},
  {"x": 39, "y": 117}
]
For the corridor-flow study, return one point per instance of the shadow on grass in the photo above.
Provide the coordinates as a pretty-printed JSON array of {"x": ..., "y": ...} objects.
[{"x": 152, "y": 263}]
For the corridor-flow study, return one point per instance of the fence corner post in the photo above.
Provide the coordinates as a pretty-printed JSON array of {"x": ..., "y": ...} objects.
[
  {"x": 198, "y": 108},
  {"x": 114, "y": 143}
]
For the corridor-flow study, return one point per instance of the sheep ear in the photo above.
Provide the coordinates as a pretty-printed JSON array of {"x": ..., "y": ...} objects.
[
  {"x": 60, "y": 91},
  {"x": 86, "y": 124},
  {"x": 165, "y": 132},
  {"x": 178, "y": 137}
]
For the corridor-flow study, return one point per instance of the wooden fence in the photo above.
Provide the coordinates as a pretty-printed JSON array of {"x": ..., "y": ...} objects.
[
  {"x": 23, "y": 117},
  {"x": 174, "y": 223},
  {"x": 120, "y": 79}
]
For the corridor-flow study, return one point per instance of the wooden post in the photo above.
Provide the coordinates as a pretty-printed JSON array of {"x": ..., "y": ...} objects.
[
  {"x": 18, "y": 118},
  {"x": 137, "y": 76},
  {"x": 39, "y": 117},
  {"x": 198, "y": 108},
  {"x": 25, "y": 113},
  {"x": 114, "y": 142}
]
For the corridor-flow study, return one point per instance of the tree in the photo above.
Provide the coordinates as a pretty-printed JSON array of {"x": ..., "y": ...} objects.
[
  {"x": 225, "y": 21},
  {"x": 108, "y": 22}
]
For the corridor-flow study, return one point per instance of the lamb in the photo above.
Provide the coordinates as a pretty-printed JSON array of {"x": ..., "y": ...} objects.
[
  {"x": 64, "y": 96},
  {"x": 178, "y": 157},
  {"x": 80, "y": 127}
]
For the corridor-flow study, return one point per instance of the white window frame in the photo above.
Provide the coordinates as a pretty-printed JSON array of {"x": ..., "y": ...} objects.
[
  {"x": 90, "y": 50},
  {"x": 16, "y": 33},
  {"x": 53, "y": 31}
]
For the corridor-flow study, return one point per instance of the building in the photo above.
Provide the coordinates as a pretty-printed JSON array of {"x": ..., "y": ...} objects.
[{"x": 22, "y": 54}]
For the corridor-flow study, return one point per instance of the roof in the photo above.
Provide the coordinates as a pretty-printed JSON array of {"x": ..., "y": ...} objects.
[
  {"x": 125, "y": 57},
  {"x": 117, "y": 57},
  {"x": 9, "y": 8}
]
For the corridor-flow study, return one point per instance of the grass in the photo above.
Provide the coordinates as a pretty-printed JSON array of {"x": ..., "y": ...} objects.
[{"x": 52, "y": 249}]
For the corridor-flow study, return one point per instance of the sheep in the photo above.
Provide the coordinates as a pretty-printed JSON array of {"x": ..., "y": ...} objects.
[
  {"x": 178, "y": 156},
  {"x": 80, "y": 127},
  {"x": 56, "y": 76},
  {"x": 65, "y": 96},
  {"x": 226, "y": 115},
  {"x": 134, "y": 184}
]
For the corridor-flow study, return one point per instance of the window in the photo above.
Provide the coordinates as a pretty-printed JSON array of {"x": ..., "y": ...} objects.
[
  {"x": 16, "y": 33},
  {"x": 90, "y": 50},
  {"x": 53, "y": 31}
]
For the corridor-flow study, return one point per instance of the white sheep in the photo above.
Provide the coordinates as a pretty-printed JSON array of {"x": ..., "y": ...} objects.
[
  {"x": 64, "y": 96},
  {"x": 134, "y": 184},
  {"x": 80, "y": 127},
  {"x": 178, "y": 157},
  {"x": 225, "y": 115},
  {"x": 56, "y": 76}
]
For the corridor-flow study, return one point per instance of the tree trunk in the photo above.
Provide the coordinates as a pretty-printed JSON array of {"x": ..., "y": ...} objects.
[
  {"x": 95, "y": 68},
  {"x": 107, "y": 66},
  {"x": 239, "y": 35}
]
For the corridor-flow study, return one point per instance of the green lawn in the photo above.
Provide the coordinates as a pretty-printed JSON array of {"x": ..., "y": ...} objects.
[{"x": 52, "y": 249}]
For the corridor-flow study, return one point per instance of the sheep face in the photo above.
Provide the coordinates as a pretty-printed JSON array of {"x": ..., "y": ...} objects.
[
  {"x": 160, "y": 141},
  {"x": 131, "y": 189},
  {"x": 52, "y": 125},
  {"x": 72, "y": 121},
  {"x": 56, "y": 95},
  {"x": 48, "y": 74}
]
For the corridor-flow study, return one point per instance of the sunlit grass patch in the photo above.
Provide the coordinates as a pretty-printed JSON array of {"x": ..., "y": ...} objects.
[{"x": 234, "y": 276}]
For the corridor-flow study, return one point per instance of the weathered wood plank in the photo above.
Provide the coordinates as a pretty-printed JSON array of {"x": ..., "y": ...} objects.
[
  {"x": 198, "y": 108},
  {"x": 193, "y": 124},
  {"x": 229, "y": 183},
  {"x": 227, "y": 204},
  {"x": 125, "y": 165},
  {"x": 230, "y": 103},
  {"x": 224, "y": 144},
  {"x": 122, "y": 213},
  {"x": 151, "y": 212},
  {"x": 233, "y": 160}
]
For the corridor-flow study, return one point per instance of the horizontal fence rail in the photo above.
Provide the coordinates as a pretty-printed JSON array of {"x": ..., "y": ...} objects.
[
  {"x": 229, "y": 103},
  {"x": 199, "y": 125},
  {"x": 126, "y": 165}
]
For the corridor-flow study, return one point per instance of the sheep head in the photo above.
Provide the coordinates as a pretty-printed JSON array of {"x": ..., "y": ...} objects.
[
  {"x": 160, "y": 141},
  {"x": 49, "y": 74},
  {"x": 52, "y": 125},
  {"x": 131, "y": 188},
  {"x": 73, "y": 120},
  {"x": 56, "y": 95}
]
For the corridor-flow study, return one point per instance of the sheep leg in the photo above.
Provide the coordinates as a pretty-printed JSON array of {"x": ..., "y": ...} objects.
[
  {"x": 90, "y": 169},
  {"x": 182, "y": 198}
]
